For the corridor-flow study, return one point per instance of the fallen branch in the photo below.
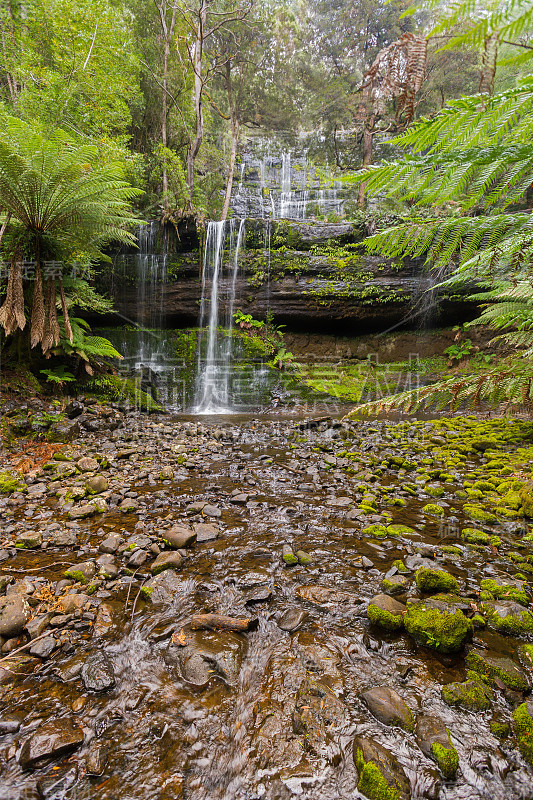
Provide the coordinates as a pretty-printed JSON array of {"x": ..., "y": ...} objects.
[{"x": 211, "y": 622}]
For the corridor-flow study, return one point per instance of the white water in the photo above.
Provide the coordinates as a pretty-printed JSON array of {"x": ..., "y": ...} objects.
[{"x": 219, "y": 282}]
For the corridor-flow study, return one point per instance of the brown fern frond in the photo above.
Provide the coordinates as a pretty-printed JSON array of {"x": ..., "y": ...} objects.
[
  {"x": 12, "y": 314},
  {"x": 38, "y": 316},
  {"x": 488, "y": 64},
  {"x": 66, "y": 318}
]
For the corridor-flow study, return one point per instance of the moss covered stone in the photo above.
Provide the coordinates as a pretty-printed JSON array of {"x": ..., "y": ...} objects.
[
  {"x": 10, "y": 483},
  {"x": 499, "y": 728},
  {"x": 380, "y": 776},
  {"x": 472, "y": 695},
  {"x": 508, "y": 617},
  {"x": 378, "y": 531},
  {"x": 396, "y": 584},
  {"x": 473, "y": 536},
  {"x": 385, "y": 612},
  {"x": 492, "y": 667},
  {"x": 433, "y": 510},
  {"x": 437, "y": 625},
  {"x": 435, "y": 580},
  {"x": 447, "y": 759},
  {"x": 504, "y": 591},
  {"x": 400, "y": 530},
  {"x": 479, "y": 514},
  {"x": 523, "y": 729},
  {"x": 525, "y": 655}
]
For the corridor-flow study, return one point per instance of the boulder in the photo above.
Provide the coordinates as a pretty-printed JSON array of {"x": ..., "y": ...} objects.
[
  {"x": 385, "y": 612},
  {"x": 379, "y": 773},
  {"x": 178, "y": 537},
  {"x": 97, "y": 673},
  {"x": 434, "y": 740},
  {"x": 14, "y": 614},
  {"x": 54, "y": 738},
  {"x": 388, "y": 707}
]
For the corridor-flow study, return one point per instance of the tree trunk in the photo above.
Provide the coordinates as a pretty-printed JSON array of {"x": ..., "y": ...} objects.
[
  {"x": 168, "y": 32},
  {"x": 368, "y": 140},
  {"x": 234, "y": 143},
  {"x": 197, "y": 95}
]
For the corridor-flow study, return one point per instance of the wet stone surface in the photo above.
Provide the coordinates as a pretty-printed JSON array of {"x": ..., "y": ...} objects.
[{"x": 367, "y": 644}]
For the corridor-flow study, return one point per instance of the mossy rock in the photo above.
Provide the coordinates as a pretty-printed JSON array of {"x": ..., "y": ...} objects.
[
  {"x": 380, "y": 776},
  {"x": 526, "y": 500},
  {"x": 435, "y": 580},
  {"x": 377, "y": 531},
  {"x": 434, "y": 625},
  {"x": 500, "y": 728},
  {"x": 508, "y": 617},
  {"x": 434, "y": 490},
  {"x": 498, "y": 667},
  {"x": 433, "y": 510},
  {"x": 451, "y": 550},
  {"x": 434, "y": 740},
  {"x": 473, "y": 536},
  {"x": 523, "y": 729},
  {"x": 447, "y": 759},
  {"x": 525, "y": 655},
  {"x": 400, "y": 566},
  {"x": 504, "y": 591},
  {"x": 10, "y": 482},
  {"x": 400, "y": 530},
  {"x": 479, "y": 514},
  {"x": 396, "y": 584},
  {"x": 472, "y": 695},
  {"x": 385, "y": 612}
]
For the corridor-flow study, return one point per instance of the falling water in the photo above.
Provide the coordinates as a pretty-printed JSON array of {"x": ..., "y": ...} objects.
[{"x": 212, "y": 395}]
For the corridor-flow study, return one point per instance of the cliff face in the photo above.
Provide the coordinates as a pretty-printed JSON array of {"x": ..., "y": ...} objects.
[{"x": 310, "y": 275}]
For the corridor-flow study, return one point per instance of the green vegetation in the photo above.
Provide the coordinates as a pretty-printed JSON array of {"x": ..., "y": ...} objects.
[
  {"x": 447, "y": 759},
  {"x": 437, "y": 628}
]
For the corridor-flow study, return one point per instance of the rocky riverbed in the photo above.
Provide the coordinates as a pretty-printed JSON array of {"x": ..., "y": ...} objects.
[{"x": 261, "y": 608}]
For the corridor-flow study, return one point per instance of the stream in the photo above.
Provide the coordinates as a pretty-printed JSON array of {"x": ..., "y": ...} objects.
[{"x": 122, "y": 696}]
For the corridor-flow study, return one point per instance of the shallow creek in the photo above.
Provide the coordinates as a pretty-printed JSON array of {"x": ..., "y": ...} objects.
[{"x": 271, "y": 712}]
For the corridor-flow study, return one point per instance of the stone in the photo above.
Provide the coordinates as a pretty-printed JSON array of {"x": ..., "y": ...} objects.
[
  {"x": 261, "y": 594},
  {"x": 54, "y": 738},
  {"x": 208, "y": 654},
  {"x": 111, "y": 543},
  {"x": 498, "y": 667},
  {"x": 58, "y": 782},
  {"x": 73, "y": 602},
  {"x": 87, "y": 464},
  {"x": 386, "y": 612},
  {"x": 29, "y": 540},
  {"x": 388, "y": 707},
  {"x": 44, "y": 647},
  {"x": 435, "y": 580},
  {"x": 17, "y": 667},
  {"x": 433, "y": 739},
  {"x": 380, "y": 776},
  {"x": 395, "y": 584},
  {"x": 162, "y": 588},
  {"x": 508, "y": 617},
  {"x": 166, "y": 561},
  {"x": 473, "y": 695},
  {"x": 205, "y": 532},
  {"x": 178, "y": 537},
  {"x": 211, "y": 511},
  {"x": 138, "y": 558},
  {"x": 37, "y": 625},
  {"x": 97, "y": 484},
  {"x": 97, "y": 673},
  {"x": 14, "y": 614},
  {"x": 523, "y": 729},
  {"x": 96, "y": 759},
  {"x": 292, "y": 619},
  {"x": 436, "y": 625},
  {"x": 64, "y": 431},
  {"x": 87, "y": 509},
  {"x": 81, "y": 573}
]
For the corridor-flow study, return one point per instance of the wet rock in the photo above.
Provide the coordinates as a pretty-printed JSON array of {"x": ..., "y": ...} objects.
[
  {"x": 138, "y": 558},
  {"x": 105, "y": 619},
  {"x": 323, "y": 596},
  {"x": 166, "y": 561},
  {"x": 508, "y": 617},
  {"x": 54, "y": 785},
  {"x": 87, "y": 464},
  {"x": 435, "y": 580},
  {"x": 97, "y": 506},
  {"x": 97, "y": 484},
  {"x": 438, "y": 626},
  {"x": 211, "y": 511},
  {"x": 434, "y": 740},
  {"x": 387, "y": 706},
  {"x": 52, "y": 739},
  {"x": 97, "y": 673},
  {"x": 523, "y": 729},
  {"x": 111, "y": 543},
  {"x": 379, "y": 773},
  {"x": 10, "y": 722},
  {"x": 292, "y": 619},
  {"x": 14, "y": 614},
  {"x": 395, "y": 584},
  {"x": 473, "y": 695},
  {"x": 29, "y": 540},
  {"x": 71, "y": 603},
  {"x": 96, "y": 759},
  {"x": 74, "y": 409},
  {"x": 81, "y": 573},
  {"x": 207, "y": 654},
  {"x": 385, "y": 612},
  {"x": 259, "y": 595},
  {"x": 64, "y": 431},
  {"x": 205, "y": 532},
  {"x": 16, "y": 668},
  {"x": 498, "y": 667},
  {"x": 36, "y": 626},
  {"x": 303, "y": 557},
  {"x": 162, "y": 588},
  {"x": 288, "y": 556},
  {"x": 179, "y": 536},
  {"x": 64, "y": 538},
  {"x": 44, "y": 647}
]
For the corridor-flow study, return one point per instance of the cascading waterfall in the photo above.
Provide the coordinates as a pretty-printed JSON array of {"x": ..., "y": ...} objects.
[{"x": 215, "y": 351}]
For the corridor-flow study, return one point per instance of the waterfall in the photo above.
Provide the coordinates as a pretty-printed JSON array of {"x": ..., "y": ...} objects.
[{"x": 213, "y": 384}]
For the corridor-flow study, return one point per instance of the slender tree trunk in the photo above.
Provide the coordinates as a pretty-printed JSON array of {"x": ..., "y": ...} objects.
[
  {"x": 235, "y": 127},
  {"x": 198, "y": 92},
  {"x": 368, "y": 141},
  {"x": 168, "y": 32}
]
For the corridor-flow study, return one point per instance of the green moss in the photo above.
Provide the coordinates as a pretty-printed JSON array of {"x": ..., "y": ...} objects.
[
  {"x": 394, "y": 586},
  {"x": 479, "y": 514},
  {"x": 75, "y": 575},
  {"x": 499, "y": 728},
  {"x": 147, "y": 591},
  {"x": 434, "y": 491},
  {"x": 511, "y": 624},
  {"x": 378, "y": 531},
  {"x": 290, "y": 558},
  {"x": 435, "y": 580},
  {"x": 472, "y": 695},
  {"x": 372, "y": 783},
  {"x": 490, "y": 671},
  {"x": 523, "y": 729},
  {"x": 433, "y": 510},
  {"x": 473, "y": 536},
  {"x": 447, "y": 759},
  {"x": 525, "y": 655},
  {"x": 478, "y": 621},
  {"x": 399, "y": 530},
  {"x": 451, "y": 549},
  {"x": 10, "y": 483},
  {"x": 437, "y": 629},
  {"x": 400, "y": 566},
  {"x": 504, "y": 591},
  {"x": 384, "y": 619}
]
